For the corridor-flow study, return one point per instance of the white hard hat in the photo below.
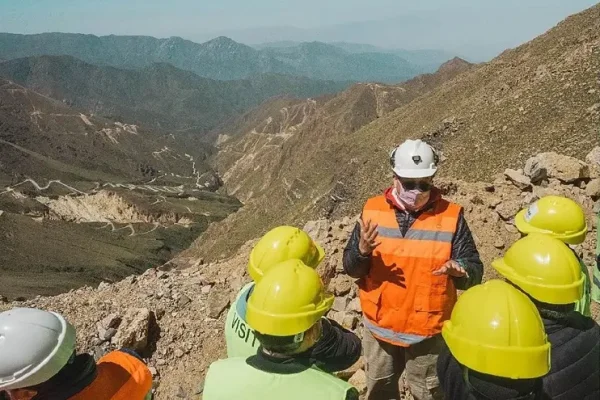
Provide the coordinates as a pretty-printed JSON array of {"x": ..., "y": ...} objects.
[
  {"x": 34, "y": 346},
  {"x": 414, "y": 159}
]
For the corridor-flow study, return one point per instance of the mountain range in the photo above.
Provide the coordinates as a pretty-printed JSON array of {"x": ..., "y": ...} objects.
[
  {"x": 159, "y": 96},
  {"x": 219, "y": 58},
  {"x": 330, "y": 155}
]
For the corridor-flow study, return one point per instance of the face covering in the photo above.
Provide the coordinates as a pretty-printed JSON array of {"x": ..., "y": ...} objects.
[{"x": 413, "y": 199}]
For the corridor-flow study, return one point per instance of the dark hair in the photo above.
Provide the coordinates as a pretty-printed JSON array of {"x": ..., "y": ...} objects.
[{"x": 280, "y": 344}]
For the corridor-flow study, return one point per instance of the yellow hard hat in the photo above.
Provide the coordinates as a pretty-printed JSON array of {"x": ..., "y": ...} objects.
[
  {"x": 556, "y": 216},
  {"x": 281, "y": 244},
  {"x": 496, "y": 330},
  {"x": 543, "y": 267},
  {"x": 288, "y": 300}
]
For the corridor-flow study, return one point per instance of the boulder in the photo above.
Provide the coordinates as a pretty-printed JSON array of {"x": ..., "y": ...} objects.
[
  {"x": 517, "y": 178},
  {"x": 133, "y": 330},
  {"x": 359, "y": 381},
  {"x": 349, "y": 321},
  {"x": 183, "y": 301},
  {"x": 349, "y": 372},
  {"x": 552, "y": 165},
  {"x": 508, "y": 209},
  {"x": 340, "y": 303},
  {"x": 205, "y": 289},
  {"x": 354, "y": 306},
  {"x": 340, "y": 285},
  {"x": 218, "y": 300},
  {"x": 317, "y": 230},
  {"x": 111, "y": 321},
  {"x": 593, "y": 188}
]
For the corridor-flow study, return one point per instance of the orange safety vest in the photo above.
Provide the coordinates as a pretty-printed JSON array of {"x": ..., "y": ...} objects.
[
  {"x": 120, "y": 376},
  {"x": 402, "y": 301}
]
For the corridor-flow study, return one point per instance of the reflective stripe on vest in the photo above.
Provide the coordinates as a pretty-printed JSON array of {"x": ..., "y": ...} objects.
[
  {"x": 239, "y": 337},
  {"x": 402, "y": 301},
  {"x": 120, "y": 376},
  {"x": 415, "y": 234},
  {"x": 233, "y": 378},
  {"x": 389, "y": 335}
]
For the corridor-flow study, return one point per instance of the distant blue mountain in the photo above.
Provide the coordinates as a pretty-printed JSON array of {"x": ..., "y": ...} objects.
[{"x": 220, "y": 58}]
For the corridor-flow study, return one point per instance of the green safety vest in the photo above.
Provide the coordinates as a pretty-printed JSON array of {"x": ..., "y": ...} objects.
[
  {"x": 583, "y": 305},
  {"x": 596, "y": 275},
  {"x": 239, "y": 337},
  {"x": 233, "y": 378}
]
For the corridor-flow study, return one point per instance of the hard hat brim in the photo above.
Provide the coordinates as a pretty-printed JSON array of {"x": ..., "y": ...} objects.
[
  {"x": 551, "y": 294},
  {"x": 415, "y": 173},
  {"x": 571, "y": 238},
  {"x": 288, "y": 324},
  {"x": 502, "y": 361}
]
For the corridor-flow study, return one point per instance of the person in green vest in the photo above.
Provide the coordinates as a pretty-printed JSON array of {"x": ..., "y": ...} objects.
[
  {"x": 337, "y": 349},
  {"x": 563, "y": 219},
  {"x": 285, "y": 310},
  {"x": 279, "y": 244}
]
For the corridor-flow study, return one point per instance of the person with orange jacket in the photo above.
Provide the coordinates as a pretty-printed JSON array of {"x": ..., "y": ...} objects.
[
  {"x": 38, "y": 362},
  {"x": 411, "y": 250}
]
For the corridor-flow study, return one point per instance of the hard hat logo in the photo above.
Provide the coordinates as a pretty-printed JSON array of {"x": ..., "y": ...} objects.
[
  {"x": 532, "y": 210},
  {"x": 414, "y": 159},
  {"x": 556, "y": 216}
]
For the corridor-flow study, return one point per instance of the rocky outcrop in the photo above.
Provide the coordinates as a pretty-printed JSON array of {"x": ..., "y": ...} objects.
[
  {"x": 174, "y": 315},
  {"x": 551, "y": 165}
]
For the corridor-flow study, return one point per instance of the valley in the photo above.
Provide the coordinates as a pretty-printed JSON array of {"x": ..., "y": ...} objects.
[{"x": 137, "y": 173}]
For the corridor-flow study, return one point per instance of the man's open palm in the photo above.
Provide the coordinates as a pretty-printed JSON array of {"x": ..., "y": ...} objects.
[
  {"x": 451, "y": 268},
  {"x": 368, "y": 237}
]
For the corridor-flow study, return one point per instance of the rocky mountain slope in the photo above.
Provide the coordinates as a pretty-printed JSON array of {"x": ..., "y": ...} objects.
[
  {"x": 85, "y": 199},
  {"x": 220, "y": 58},
  {"x": 174, "y": 315},
  {"x": 158, "y": 96},
  {"x": 541, "y": 96},
  {"x": 261, "y": 139}
]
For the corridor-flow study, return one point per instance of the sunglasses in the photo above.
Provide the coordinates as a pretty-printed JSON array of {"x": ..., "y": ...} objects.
[{"x": 423, "y": 186}]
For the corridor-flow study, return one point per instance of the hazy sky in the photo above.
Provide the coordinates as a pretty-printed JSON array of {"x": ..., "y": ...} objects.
[{"x": 463, "y": 24}]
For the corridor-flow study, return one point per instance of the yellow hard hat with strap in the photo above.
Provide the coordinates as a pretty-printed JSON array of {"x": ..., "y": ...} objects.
[
  {"x": 496, "y": 330},
  {"x": 543, "y": 267},
  {"x": 281, "y": 244},
  {"x": 556, "y": 216},
  {"x": 288, "y": 300}
]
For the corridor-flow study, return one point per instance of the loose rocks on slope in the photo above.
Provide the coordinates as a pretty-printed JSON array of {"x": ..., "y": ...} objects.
[{"x": 176, "y": 317}]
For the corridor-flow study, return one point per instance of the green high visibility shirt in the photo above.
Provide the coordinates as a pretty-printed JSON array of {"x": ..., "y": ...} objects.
[
  {"x": 583, "y": 305},
  {"x": 239, "y": 337},
  {"x": 234, "y": 378}
]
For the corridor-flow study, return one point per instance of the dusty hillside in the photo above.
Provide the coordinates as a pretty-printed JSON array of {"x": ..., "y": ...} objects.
[
  {"x": 175, "y": 314},
  {"x": 159, "y": 96},
  {"x": 85, "y": 199},
  {"x": 42, "y": 137},
  {"x": 266, "y": 139},
  {"x": 542, "y": 96}
]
